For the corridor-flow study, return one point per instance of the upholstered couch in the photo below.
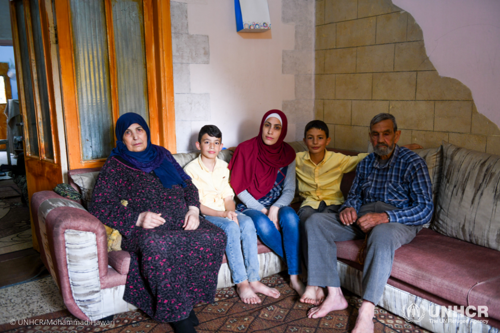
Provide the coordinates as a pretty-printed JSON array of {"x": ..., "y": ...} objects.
[
  {"x": 85, "y": 259},
  {"x": 448, "y": 277},
  {"x": 454, "y": 261}
]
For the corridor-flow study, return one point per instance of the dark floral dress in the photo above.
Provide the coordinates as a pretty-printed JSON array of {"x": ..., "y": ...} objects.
[{"x": 170, "y": 269}]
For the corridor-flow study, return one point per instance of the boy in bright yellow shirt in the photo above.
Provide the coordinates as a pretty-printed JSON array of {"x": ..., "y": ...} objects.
[{"x": 320, "y": 172}]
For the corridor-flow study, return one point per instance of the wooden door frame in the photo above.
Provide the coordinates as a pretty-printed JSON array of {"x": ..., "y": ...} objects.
[
  {"x": 41, "y": 173},
  {"x": 159, "y": 66}
]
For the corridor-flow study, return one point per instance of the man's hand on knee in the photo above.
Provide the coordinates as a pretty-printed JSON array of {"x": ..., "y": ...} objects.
[
  {"x": 348, "y": 216},
  {"x": 369, "y": 221}
]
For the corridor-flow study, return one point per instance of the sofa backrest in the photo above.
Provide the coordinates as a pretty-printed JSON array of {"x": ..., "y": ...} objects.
[
  {"x": 468, "y": 205},
  {"x": 84, "y": 179}
]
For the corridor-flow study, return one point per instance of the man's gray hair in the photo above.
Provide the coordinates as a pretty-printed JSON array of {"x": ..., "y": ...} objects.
[{"x": 381, "y": 117}]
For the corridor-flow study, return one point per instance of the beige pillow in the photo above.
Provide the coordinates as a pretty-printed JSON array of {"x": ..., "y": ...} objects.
[
  {"x": 468, "y": 205},
  {"x": 184, "y": 158},
  {"x": 86, "y": 182},
  {"x": 433, "y": 157}
]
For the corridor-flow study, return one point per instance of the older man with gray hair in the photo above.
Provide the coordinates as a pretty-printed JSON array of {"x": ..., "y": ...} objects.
[{"x": 389, "y": 201}]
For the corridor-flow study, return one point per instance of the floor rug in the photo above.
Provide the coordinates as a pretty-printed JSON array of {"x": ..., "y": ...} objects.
[{"x": 227, "y": 314}]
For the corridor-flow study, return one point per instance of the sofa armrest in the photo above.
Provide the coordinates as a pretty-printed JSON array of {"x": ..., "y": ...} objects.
[
  {"x": 75, "y": 246},
  {"x": 120, "y": 261}
]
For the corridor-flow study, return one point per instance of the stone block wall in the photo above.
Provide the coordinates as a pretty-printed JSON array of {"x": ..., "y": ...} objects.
[
  {"x": 370, "y": 58},
  {"x": 187, "y": 49},
  {"x": 299, "y": 62},
  {"x": 196, "y": 106}
]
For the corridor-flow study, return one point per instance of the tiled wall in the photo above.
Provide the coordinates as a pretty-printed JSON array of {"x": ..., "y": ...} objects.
[{"x": 371, "y": 58}]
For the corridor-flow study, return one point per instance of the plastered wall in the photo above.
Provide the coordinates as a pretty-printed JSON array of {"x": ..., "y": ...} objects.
[
  {"x": 231, "y": 79},
  {"x": 370, "y": 57}
]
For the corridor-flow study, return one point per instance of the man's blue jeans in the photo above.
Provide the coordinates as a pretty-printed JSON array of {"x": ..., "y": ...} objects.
[
  {"x": 285, "y": 243},
  {"x": 243, "y": 265}
]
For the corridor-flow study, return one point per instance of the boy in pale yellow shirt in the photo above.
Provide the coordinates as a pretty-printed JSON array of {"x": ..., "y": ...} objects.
[{"x": 211, "y": 176}]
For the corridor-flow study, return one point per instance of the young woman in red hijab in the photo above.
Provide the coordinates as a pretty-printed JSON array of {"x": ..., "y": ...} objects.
[{"x": 263, "y": 178}]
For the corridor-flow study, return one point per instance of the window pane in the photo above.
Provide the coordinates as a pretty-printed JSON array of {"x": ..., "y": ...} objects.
[
  {"x": 3, "y": 96},
  {"x": 42, "y": 80},
  {"x": 128, "y": 26},
  {"x": 92, "y": 77},
  {"x": 28, "y": 85}
]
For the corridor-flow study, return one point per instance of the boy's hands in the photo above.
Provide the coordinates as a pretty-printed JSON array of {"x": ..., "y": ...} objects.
[{"x": 231, "y": 214}]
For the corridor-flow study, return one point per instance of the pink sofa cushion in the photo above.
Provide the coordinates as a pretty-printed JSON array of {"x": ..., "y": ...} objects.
[
  {"x": 120, "y": 261},
  {"x": 487, "y": 293},
  {"x": 443, "y": 266}
]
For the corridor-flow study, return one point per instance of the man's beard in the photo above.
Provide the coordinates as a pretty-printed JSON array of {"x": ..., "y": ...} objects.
[{"x": 382, "y": 149}]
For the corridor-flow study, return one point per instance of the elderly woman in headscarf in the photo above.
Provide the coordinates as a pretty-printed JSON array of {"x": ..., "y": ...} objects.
[
  {"x": 263, "y": 178},
  {"x": 175, "y": 254}
]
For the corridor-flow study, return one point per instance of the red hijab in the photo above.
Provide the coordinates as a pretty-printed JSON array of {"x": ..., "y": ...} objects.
[{"x": 255, "y": 165}]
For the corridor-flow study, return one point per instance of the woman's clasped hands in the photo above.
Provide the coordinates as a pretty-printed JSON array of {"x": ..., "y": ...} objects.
[{"x": 150, "y": 220}]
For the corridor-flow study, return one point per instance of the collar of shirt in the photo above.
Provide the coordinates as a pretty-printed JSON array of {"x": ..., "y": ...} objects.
[
  {"x": 376, "y": 163},
  {"x": 204, "y": 167},
  {"x": 328, "y": 154}
]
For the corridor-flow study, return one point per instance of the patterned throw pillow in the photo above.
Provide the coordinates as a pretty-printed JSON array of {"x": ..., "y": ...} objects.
[
  {"x": 114, "y": 239},
  {"x": 433, "y": 157},
  {"x": 468, "y": 206},
  {"x": 67, "y": 191}
]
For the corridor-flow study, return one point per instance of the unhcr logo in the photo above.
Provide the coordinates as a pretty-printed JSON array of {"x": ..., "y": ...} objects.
[{"x": 413, "y": 313}]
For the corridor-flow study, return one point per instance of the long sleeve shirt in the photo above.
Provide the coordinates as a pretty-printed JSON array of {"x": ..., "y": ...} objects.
[
  {"x": 285, "y": 198},
  {"x": 402, "y": 182},
  {"x": 321, "y": 182}
]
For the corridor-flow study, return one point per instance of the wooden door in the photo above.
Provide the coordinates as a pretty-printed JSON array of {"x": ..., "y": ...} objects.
[
  {"x": 116, "y": 57},
  {"x": 37, "y": 68}
]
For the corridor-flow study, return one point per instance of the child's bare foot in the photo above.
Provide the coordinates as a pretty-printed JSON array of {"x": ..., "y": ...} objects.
[
  {"x": 313, "y": 295},
  {"x": 247, "y": 295},
  {"x": 364, "y": 322},
  {"x": 297, "y": 285},
  {"x": 334, "y": 301},
  {"x": 259, "y": 287}
]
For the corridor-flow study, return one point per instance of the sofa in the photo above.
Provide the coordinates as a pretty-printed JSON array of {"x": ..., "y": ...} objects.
[{"x": 446, "y": 280}]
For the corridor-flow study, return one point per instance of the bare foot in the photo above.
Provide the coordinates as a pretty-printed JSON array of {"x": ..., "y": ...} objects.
[
  {"x": 334, "y": 301},
  {"x": 297, "y": 285},
  {"x": 364, "y": 322},
  {"x": 259, "y": 287},
  {"x": 313, "y": 295},
  {"x": 247, "y": 295}
]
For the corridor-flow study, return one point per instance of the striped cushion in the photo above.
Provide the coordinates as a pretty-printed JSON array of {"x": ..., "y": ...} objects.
[{"x": 468, "y": 206}]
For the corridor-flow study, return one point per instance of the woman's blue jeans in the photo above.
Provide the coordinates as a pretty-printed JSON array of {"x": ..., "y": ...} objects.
[
  {"x": 285, "y": 243},
  {"x": 243, "y": 265}
]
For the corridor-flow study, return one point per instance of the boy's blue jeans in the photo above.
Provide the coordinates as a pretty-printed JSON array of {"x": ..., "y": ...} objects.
[
  {"x": 288, "y": 238},
  {"x": 243, "y": 265}
]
